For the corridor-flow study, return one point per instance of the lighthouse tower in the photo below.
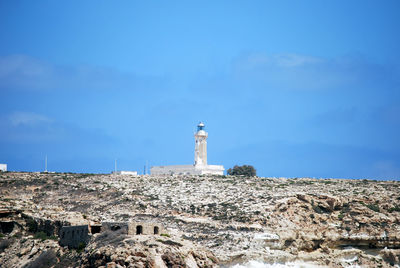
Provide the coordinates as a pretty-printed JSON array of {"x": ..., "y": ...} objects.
[
  {"x": 200, "y": 166},
  {"x": 200, "y": 149}
]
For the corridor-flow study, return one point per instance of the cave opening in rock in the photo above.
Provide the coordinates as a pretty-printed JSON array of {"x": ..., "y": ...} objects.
[{"x": 7, "y": 226}]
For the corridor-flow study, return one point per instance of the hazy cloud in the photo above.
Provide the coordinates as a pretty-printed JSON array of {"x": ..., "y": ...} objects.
[
  {"x": 21, "y": 72},
  {"x": 293, "y": 71},
  {"x": 27, "y": 119}
]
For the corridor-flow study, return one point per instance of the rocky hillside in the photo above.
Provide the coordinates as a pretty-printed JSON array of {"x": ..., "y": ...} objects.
[{"x": 209, "y": 220}]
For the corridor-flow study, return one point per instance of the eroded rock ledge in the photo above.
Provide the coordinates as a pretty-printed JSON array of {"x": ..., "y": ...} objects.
[{"x": 223, "y": 219}]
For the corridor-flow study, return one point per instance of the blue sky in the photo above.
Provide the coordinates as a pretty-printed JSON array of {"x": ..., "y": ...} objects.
[{"x": 294, "y": 88}]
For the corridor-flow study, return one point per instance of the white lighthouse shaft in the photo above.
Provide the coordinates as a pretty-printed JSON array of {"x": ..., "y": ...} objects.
[{"x": 200, "y": 150}]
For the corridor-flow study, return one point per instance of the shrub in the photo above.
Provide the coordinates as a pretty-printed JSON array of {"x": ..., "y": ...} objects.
[
  {"x": 245, "y": 170},
  {"x": 43, "y": 236},
  {"x": 373, "y": 207},
  {"x": 396, "y": 208},
  {"x": 81, "y": 246},
  {"x": 40, "y": 235},
  {"x": 32, "y": 225}
]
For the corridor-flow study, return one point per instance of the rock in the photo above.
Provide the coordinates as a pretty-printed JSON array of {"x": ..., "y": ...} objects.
[
  {"x": 33, "y": 251},
  {"x": 310, "y": 219},
  {"x": 111, "y": 265},
  {"x": 24, "y": 251},
  {"x": 390, "y": 256},
  {"x": 304, "y": 197}
]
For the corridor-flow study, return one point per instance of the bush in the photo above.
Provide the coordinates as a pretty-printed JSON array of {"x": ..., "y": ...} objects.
[
  {"x": 43, "y": 236},
  {"x": 396, "y": 208},
  {"x": 81, "y": 247},
  {"x": 373, "y": 207},
  {"x": 245, "y": 170},
  {"x": 32, "y": 225}
]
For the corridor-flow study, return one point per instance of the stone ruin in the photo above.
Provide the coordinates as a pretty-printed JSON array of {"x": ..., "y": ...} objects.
[
  {"x": 74, "y": 236},
  {"x": 133, "y": 228}
]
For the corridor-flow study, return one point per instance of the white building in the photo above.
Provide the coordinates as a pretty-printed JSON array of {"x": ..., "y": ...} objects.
[
  {"x": 200, "y": 165},
  {"x": 3, "y": 167},
  {"x": 122, "y": 172}
]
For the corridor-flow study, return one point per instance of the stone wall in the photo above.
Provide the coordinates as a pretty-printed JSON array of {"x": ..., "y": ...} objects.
[
  {"x": 145, "y": 228},
  {"x": 73, "y": 236},
  {"x": 123, "y": 227},
  {"x": 134, "y": 228}
]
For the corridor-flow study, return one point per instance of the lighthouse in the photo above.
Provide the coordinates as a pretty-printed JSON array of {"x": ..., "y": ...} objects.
[
  {"x": 200, "y": 148},
  {"x": 200, "y": 166}
]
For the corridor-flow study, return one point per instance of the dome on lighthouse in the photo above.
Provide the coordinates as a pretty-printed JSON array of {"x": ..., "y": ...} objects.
[{"x": 200, "y": 129}]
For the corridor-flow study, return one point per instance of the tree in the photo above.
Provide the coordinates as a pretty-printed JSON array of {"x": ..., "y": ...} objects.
[{"x": 245, "y": 170}]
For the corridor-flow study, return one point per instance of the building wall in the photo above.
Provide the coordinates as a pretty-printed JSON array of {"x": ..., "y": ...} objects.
[
  {"x": 72, "y": 236},
  {"x": 212, "y": 170},
  {"x": 187, "y": 169},
  {"x": 146, "y": 228},
  {"x": 133, "y": 228},
  {"x": 174, "y": 170},
  {"x": 3, "y": 167},
  {"x": 134, "y": 173},
  {"x": 200, "y": 149},
  {"x": 123, "y": 227}
]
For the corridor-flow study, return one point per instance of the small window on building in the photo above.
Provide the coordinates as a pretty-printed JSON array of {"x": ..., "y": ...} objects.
[
  {"x": 95, "y": 229},
  {"x": 73, "y": 232},
  {"x": 156, "y": 230},
  {"x": 63, "y": 235},
  {"x": 139, "y": 229}
]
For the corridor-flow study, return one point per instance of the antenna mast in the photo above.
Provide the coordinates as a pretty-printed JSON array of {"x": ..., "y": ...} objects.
[{"x": 45, "y": 164}]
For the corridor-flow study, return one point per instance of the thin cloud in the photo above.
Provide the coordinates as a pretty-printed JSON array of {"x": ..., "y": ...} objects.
[
  {"x": 293, "y": 71},
  {"x": 28, "y": 119},
  {"x": 25, "y": 73}
]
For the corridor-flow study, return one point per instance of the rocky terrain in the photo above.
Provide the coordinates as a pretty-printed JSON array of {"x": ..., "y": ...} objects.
[{"x": 210, "y": 220}]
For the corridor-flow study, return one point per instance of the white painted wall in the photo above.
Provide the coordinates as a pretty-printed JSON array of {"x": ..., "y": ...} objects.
[
  {"x": 3, "y": 167},
  {"x": 187, "y": 169},
  {"x": 122, "y": 172}
]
